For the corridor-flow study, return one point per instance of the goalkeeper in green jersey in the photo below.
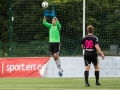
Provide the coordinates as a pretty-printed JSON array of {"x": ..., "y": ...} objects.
[{"x": 54, "y": 38}]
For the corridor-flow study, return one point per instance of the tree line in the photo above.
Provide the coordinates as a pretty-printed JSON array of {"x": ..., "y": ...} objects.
[{"x": 104, "y": 15}]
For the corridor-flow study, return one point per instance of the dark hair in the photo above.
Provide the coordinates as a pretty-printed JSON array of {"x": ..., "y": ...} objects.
[{"x": 90, "y": 29}]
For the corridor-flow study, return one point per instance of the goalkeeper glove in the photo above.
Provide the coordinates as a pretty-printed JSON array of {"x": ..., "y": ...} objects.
[
  {"x": 46, "y": 13},
  {"x": 53, "y": 13}
]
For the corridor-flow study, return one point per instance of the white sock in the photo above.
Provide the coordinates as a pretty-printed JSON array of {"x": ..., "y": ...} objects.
[{"x": 58, "y": 64}]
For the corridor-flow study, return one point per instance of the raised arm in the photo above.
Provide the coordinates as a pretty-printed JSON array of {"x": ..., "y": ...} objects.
[
  {"x": 58, "y": 24},
  {"x": 46, "y": 23}
]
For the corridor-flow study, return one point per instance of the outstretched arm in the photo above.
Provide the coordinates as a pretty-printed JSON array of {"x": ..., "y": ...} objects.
[
  {"x": 58, "y": 24},
  {"x": 46, "y": 23}
]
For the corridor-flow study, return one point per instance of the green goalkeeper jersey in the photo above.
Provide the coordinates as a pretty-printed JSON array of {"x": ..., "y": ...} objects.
[{"x": 54, "y": 31}]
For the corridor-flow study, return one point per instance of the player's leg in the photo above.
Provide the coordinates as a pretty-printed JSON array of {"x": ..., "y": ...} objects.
[
  {"x": 55, "y": 54},
  {"x": 54, "y": 51},
  {"x": 96, "y": 66},
  {"x": 87, "y": 69},
  {"x": 57, "y": 59}
]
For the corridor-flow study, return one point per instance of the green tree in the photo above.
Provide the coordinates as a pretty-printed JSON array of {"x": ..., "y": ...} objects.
[
  {"x": 110, "y": 22},
  {"x": 4, "y": 34}
]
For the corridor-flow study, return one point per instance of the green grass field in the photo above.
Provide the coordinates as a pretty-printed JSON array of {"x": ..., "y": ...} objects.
[{"x": 57, "y": 84}]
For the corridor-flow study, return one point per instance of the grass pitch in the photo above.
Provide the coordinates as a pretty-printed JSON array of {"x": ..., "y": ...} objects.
[{"x": 57, "y": 84}]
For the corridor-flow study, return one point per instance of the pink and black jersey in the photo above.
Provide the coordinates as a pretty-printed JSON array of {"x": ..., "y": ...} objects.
[{"x": 89, "y": 41}]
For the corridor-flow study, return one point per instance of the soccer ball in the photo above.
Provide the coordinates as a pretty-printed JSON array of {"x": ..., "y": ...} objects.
[{"x": 45, "y": 4}]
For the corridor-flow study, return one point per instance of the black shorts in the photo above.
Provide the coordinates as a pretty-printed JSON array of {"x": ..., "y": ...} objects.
[
  {"x": 90, "y": 57},
  {"x": 54, "y": 48}
]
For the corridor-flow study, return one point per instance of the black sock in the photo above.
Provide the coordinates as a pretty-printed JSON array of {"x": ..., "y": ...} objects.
[
  {"x": 86, "y": 74},
  {"x": 97, "y": 76}
]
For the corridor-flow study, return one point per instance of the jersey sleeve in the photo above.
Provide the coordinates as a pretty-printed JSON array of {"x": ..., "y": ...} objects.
[
  {"x": 58, "y": 25},
  {"x": 46, "y": 23},
  {"x": 96, "y": 40}
]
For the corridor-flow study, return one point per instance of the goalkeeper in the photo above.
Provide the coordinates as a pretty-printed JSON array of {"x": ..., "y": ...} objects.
[{"x": 54, "y": 38}]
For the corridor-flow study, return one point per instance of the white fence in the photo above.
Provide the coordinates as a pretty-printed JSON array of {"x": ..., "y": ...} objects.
[{"x": 74, "y": 67}]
